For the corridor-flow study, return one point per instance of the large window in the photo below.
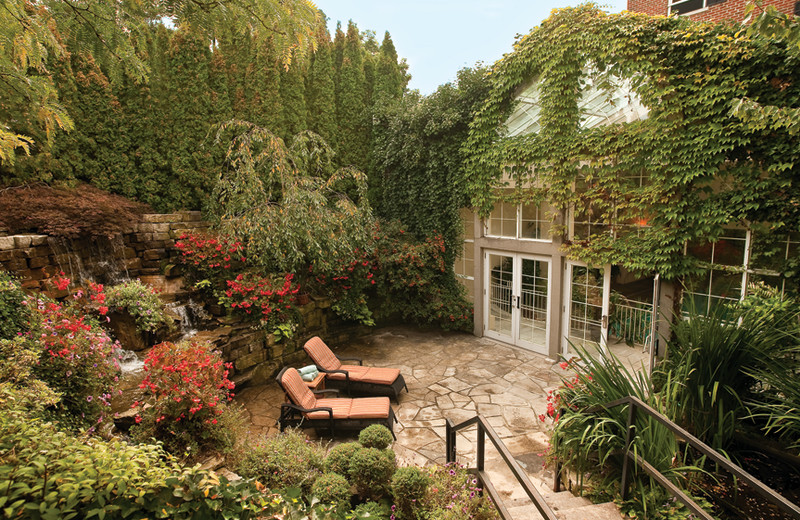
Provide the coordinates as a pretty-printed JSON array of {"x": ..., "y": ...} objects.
[
  {"x": 465, "y": 263},
  {"x": 772, "y": 254},
  {"x": 523, "y": 221},
  {"x": 723, "y": 279}
]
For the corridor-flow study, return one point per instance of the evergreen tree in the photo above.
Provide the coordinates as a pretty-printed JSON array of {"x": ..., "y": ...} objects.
[
  {"x": 338, "y": 48},
  {"x": 267, "y": 101},
  {"x": 389, "y": 81},
  {"x": 320, "y": 90},
  {"x": 351, "y": 103},
  {"x": 293, "y": 98}
]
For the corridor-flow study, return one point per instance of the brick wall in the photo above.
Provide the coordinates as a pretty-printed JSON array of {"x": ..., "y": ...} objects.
[{"x": 716, "y": 10}]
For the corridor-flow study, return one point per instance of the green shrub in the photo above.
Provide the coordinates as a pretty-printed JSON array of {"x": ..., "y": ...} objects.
[
  {"x": 18, "y": 359},
  {"x": 409, "y": 486},
  {"x": 375, "y": 436},
  {"x": 338, "y": 458},
  {"x": 371, "y": 470},
  {"x": 332, "y": 488},
  {"x": 141, "y": 303},
  {"x": 373, "y": 511},
  {"x": 284, "y": 460},
  {"x": 14, "y": 314}
]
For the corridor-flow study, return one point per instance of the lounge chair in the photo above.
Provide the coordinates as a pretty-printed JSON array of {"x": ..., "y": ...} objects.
[
  {"x": 334, "y": 414},
  {"x": 354, "y": 379}
]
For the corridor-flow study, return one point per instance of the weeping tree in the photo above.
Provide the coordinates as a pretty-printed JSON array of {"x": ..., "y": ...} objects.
[{"x": 290, "y": 206}]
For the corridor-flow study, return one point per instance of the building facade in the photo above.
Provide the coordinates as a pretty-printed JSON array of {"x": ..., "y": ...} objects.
[{"x": 707, "y": 10}]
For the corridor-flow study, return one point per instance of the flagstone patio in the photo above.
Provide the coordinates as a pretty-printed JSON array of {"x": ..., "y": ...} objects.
[{"x": 456, "y": 376}]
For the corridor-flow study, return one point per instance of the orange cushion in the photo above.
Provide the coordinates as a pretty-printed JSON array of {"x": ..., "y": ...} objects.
[
  {"x": 360, "y": 408},
  {"x": 341, "y": 409},
  {"x": 297, "y": 390},
  {"x": 374, "y": 375},
  {"x": 322, "y": 356}
]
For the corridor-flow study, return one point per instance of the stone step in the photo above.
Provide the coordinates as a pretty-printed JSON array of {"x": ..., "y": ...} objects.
[
  {"x": 606, "y": 511},
  {"x": 566, "y": 500}
]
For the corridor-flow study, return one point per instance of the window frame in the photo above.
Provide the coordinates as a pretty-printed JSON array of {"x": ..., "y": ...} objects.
[{"x": 518, "y": 226}]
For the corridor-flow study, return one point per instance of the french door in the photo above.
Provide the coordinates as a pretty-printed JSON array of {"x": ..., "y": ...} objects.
[
  {"x": 586, "y": 304},
  {"x": 516, "y": 299}
]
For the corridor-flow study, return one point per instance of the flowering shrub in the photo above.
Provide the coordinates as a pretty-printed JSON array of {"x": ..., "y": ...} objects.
[
  {"x": 189, "y": 388},
  {"x": 210, "y": 256},
  {"x": 78, "y": 360},
  {"x": 141, "y": 303},
  {"x": 271, "y": 299},
  {"x": 454, "y": 494}
]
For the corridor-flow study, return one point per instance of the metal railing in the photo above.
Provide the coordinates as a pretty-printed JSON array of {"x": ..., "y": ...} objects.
[
  {"x": 629, "y": 456},
  {"x": 485, "y": 429},
  {"x": 632, "y": 322}
]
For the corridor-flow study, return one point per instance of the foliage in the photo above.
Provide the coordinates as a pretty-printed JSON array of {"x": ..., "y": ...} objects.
[
  {"x": 208, "y": 256},
  {"x": 716, "y": 359},
  {"x": 686, "y": 170},
  {"x": 374, "y": 510},
  {"x": 409, "y": 486},
  {"x": 320, "y": 93},
  {"x": 375, "y": 436},
  {"x": 272, "y": 297},
  {"x": 454, "y": 494},
  {"x": 49, "y": 474},
  {"x": 371, "y": 471},
  {"x": 19, "y": 384},
  {"x": 287, "y": 205},
  {"x": 414, "y": 281},
  {"x": 67, "y": 212},
  {"x": 188, "y": 387},
  {"x": 285, "y": 460},
  {"x": 419, "y": 178},
  {"x": 353, "y": 139},
  {"x": 14, "y": 314},
  {"x": 141, "y": 302},
  {"x": 338, "y": 458},
  {"x": 332, "y": 488}
]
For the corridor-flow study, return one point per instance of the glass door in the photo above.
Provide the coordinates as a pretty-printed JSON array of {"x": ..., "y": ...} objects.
[
  {"x": 586, "y": 307},
  {"x": 517, "y": 300}
]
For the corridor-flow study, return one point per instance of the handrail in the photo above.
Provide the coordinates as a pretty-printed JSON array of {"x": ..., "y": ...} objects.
[
  {"x": 484, "y": 429},
  {"x": 637, "y": 404}
]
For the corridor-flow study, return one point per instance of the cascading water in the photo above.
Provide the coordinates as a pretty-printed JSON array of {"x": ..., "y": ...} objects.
[{"x": 190, "y": 314}]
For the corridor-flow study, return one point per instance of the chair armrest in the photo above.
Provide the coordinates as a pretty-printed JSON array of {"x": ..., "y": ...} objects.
[
  {"x": 307, "y": 410},
  {"x": 326, "y": 391},
  {"x": 357, "y": 360}
]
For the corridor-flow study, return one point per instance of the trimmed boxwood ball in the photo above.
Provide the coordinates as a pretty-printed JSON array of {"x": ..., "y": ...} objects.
[
  {"x": 409, "y": 485},
  {"x": 338, "y": 458},
  {"x": 375, "y": 436},
  {"x": 376, "y": 510},
  {"x": 332, "y": 488},
  {"x": 371, "y": 470},
  {"x": 285, "y": 460}
]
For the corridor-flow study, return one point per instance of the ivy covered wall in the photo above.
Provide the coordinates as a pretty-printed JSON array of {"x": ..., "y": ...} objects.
[{"x": 681, "y": 175}]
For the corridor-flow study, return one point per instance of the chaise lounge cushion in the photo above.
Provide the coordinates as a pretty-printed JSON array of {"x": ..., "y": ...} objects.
[
  {"x": 362, "y": 408},
  {"x": 375, "y": 375}
]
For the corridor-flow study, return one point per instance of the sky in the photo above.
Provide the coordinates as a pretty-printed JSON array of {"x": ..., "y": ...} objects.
[{"x": 440, "y": 37}]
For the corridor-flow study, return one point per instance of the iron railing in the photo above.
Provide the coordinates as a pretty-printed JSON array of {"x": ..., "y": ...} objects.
[
  {"x": 485, "y": 429},
  {"x": 629, "y": 456}
]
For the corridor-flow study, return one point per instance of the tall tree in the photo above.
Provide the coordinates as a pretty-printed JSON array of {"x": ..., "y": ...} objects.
[
  {"x": 267, "y": 101},
  {"x": 320, "y": 90},
  {"x": 293, "y": 99},
  {"x": 351, "y": 103},
  {"x": 389, "y": 81}
]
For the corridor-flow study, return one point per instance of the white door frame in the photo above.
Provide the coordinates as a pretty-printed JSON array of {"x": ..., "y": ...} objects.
[
  {"x": 567, "y": 304},
  {"x": 516, "y": 295}
]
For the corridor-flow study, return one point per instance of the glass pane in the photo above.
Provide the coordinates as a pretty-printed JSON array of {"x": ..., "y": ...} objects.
[
  {"x": 533, "y": 304},
  {"x": 468, "y": 221},
  {"x": 687, "y": 6},
  {"x": 503, "y": 220},
  {"x": 586, "y": 306},
  {"x": 726, "y": 285},
  {"x": 701, "y": 250},
  {"x": 768, "y": 251},
  {"x": 729, "y": 251},
  {"x": 501, "y": 276}
]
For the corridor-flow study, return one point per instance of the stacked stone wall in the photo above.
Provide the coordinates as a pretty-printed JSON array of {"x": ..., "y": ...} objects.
[{"x": 149, "y": 253}]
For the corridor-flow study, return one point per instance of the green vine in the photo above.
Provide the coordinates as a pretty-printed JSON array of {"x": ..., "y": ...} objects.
[{"x": 696, "y": 163}]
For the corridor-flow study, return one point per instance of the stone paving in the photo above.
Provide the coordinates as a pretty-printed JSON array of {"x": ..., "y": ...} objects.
[{"x": 456, "y": 376}]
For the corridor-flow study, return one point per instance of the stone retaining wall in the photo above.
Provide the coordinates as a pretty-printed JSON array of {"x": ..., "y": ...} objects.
[{"x": 148, "y": 253}]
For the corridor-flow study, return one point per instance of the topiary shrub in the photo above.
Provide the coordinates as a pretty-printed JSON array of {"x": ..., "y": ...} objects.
[
  {"x": 373, "y": 510},
  {"x": 332, "y": 488},
  {"x": 375, "y": 436},
  {"x": 371, "y": 471},
  {"x": 14, "y": 314},
  {"x": 409, "y": 486},
  {"x": 338, "y": 458},
  {"x": 284, "y": 460},
  {"x": 141, "y": 303}
]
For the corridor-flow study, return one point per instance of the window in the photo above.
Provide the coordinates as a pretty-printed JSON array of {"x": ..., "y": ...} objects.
[
  {"x": 523, "y": 221},
  {"x": 726, "y": 275},
  {"x": 686, "y": 6},
  {"x": 771, "y": 254},
  {"x": 465, "y": 263}
]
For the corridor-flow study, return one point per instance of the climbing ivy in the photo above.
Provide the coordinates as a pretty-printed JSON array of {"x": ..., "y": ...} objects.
[{"x": 681, "y": 173}]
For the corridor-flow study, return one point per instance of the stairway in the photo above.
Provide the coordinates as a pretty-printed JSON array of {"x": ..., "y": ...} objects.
[{"x": 567, "y": 507}]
